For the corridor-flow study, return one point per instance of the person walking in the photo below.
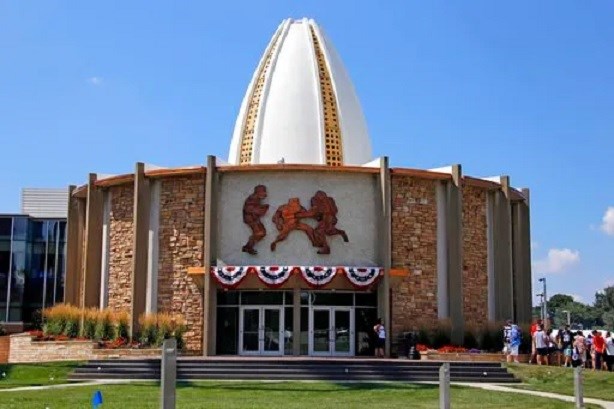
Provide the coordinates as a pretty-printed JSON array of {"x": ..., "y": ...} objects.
[
  {"x": 579, "y": 350},
  {"x": 514, "y": 344},
  {"x": 541, "y": 345},
  {"x": 566, "y": 339},
  {"x": 598, "y": 348},
  {"x": 609, "y": 350},
  {"x": 533, "y": 330},
  {"x": 380, "y": 340}
]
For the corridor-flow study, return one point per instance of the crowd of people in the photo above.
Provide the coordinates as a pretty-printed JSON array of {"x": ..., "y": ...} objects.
[{"x": 570, "y": 348}]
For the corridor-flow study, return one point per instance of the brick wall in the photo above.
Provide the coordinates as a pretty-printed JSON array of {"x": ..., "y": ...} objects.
[
  {"x": 4, "y": 349},
  {"x": 181, "y": 235},
  {"x": 414, "y": 247},
  {"x": 120, "y": 247},
  {"x": 475, "y": 255}
]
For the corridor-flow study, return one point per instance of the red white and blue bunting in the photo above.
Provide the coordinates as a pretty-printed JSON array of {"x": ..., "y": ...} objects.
[
  {"x": 362, "y": 276},
  {"x": 273, "y": 276},
  {"x": 229, "y": 276},
  {"x": 315, "y": 276}
]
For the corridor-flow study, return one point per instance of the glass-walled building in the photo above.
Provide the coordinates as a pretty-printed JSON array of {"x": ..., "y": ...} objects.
[{"x": 32, "y": 265}]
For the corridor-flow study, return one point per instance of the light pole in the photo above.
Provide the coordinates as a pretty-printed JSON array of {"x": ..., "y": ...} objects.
[
  {"x": 545, "y": 298},
  {"x": 541, "y": 305},
  {"x": 568, "y": 317}
]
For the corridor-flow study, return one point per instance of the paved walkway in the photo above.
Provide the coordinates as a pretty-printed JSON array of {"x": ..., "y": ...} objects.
[
  {"x": 67, "y": 385},
  {"x": 500, "y": 388}
]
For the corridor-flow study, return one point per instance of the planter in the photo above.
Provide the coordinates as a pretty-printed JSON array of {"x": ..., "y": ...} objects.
[
  {"x": 24, "y": 349},
  {"x": 468, "y": 357}
]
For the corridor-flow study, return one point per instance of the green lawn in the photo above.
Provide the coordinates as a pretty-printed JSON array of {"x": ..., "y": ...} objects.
[
  {"x": 287, "y": 395},
  {"x": 560, "y": 380},
  {"x": 48, "y": 373}
]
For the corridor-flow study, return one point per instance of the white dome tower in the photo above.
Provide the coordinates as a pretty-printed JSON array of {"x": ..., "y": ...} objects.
[{"x": 300, "y": 106}]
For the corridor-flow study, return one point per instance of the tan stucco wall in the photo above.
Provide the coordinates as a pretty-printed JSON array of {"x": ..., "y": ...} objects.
[{"x": 356, "y": 197}]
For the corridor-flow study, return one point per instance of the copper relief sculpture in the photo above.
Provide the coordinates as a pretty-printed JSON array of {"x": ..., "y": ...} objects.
[
  {"x": 253, "y": 210},
  {"x": 289, "y": 217}
]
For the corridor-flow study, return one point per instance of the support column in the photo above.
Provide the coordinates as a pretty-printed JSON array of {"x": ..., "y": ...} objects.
[
  {"x": 104, "y": 265},
  {"x": 522, "y": 259},
  {"x": 210, "y": 257},
  {"x": 454, "y": 228},
  {"x": 385, "y": 250},
  {"x": 502, "y": 243},
  {"x": 140, "y": 240},
  {"x": 93, "y": 245},
  {"x": 74, "y": 248},
  {"x": 296, "y": 321},
  {"x": 151, "y": 302}
]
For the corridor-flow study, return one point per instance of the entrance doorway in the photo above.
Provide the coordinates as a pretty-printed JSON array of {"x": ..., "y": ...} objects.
[
  {"x": 331, "y": 331},
  {"x": 261, "y": 330}
]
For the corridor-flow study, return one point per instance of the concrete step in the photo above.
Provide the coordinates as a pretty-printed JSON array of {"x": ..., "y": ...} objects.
[{"x": 361, "y": 370}]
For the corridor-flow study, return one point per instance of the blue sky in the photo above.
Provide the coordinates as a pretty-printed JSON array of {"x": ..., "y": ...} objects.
[{"x": 519, "y": 88}]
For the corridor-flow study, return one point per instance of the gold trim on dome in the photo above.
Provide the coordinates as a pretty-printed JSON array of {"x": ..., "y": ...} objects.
[
  {"x": 332, "y": 130},
  {"x": 247, "y": 137}
]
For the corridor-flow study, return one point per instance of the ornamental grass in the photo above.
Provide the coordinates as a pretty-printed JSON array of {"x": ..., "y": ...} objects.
[
  {"x": 157, "y": 327},
  {"x": 61, "y": 319}
]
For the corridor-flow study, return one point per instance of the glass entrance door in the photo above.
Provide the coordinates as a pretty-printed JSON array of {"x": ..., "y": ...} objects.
[
  {"x": 260, "y": 331},
  {"x": 331, "y": 331}
]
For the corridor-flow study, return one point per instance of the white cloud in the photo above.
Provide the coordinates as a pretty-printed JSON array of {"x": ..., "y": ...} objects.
[
  {"x": 577, "y": 298},
  {"x": 607, "y": 225},
  {"x": 95, "y": 80},
  {"x": 557, "y": 261},
  {"x": 534, "y": 245}
]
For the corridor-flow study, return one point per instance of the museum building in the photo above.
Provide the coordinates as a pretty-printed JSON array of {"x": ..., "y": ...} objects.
[{"x": 299, "y": 241}]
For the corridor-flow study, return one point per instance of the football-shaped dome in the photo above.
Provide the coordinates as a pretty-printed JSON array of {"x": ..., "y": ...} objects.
[{"x": 300, "y": 106}]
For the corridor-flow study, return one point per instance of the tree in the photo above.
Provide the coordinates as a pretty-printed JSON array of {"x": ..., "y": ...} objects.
[
  {"x": 604, "y": 306},
  {"x": 559, "y": 301}
]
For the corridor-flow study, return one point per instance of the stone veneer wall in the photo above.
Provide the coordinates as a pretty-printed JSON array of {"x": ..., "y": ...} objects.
[
  {"x": 475, "y": 256},
  {"x": 25, "y": 350},
  {"x": 181, "y": 245},
  {"x": 414, "y": 247},
  {"x": 121, "y": 226}
]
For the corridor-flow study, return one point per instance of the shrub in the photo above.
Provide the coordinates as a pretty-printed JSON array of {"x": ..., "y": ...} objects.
[
  {"x": 2, "y": 330},
  {"x": 423, "y": 336},
  {"x": 72, "y": 324},
  {"x": 56, "y": 317},
  {"x": 122, "y": 323},
  {"x": 90, "y": 317},
  {"x": 178, "y": 331},
  {"x": 155, "y": 328},
  {"x": 470, "y": 340},
  {"x": 149, "y": 329},
  {"x": 491, "y": 338},
  {"x": 441, "y": 334},
  {"x": 165, "y": 328},
  {"x": 104, "y": 326},
  {"x": 36, "y": 323}
]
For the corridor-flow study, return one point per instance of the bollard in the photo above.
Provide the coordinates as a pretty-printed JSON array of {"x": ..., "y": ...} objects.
[
  {"x": 168, "y": 375},
  {"x": 578, "y": 389},
  {"x": 444, "y": 386}
]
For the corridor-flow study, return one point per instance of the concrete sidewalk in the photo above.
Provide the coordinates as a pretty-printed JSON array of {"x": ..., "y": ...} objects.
[{"x": 501, "y": 388}]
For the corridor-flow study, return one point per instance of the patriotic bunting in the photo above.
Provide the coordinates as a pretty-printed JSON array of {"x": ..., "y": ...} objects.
[
  {"x": 229, "y": 276},
  {"x": 315, "y": 276},
  {"x": 362, "y": 277},
  {"x": 273, "y": 276}
]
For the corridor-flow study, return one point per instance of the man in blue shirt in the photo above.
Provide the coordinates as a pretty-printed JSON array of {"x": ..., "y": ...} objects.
[{"x": 514, "y": 343}]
